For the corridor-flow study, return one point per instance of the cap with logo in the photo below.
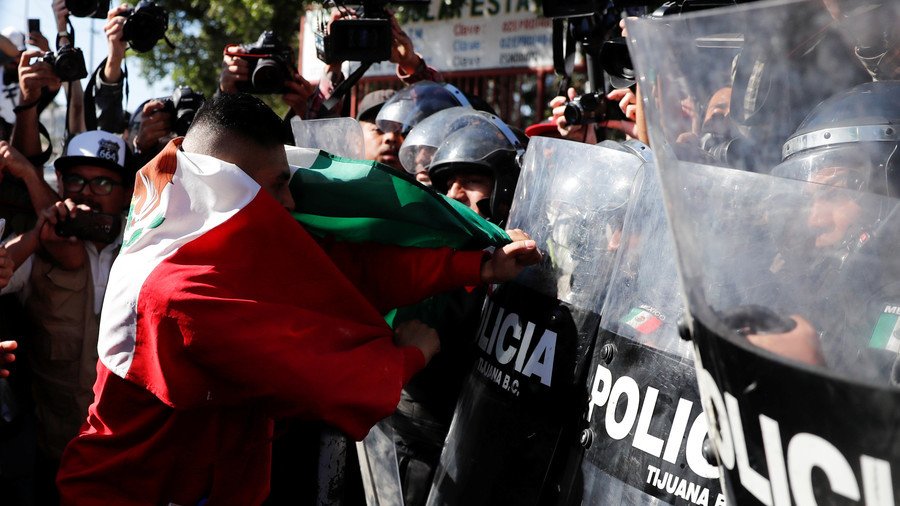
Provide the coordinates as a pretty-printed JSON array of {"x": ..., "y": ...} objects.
[
  {"x": 14, "y": 36},
  {"x": 97, "y": 149}
]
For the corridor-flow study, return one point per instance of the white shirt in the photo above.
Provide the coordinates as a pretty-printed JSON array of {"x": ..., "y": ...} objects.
[
  {"x": 101, "y": 263},
  {"x": 9, "y": 98}
]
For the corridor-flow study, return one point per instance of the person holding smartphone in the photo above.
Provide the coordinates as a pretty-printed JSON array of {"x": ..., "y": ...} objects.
[{"x": 61, "y": 281}]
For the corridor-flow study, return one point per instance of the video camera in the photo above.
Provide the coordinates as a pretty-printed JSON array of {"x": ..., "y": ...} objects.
[
  {"x": 368, "y": 38},
  {"x": 270, "y": 64},
  {"x": 183, "y": 106},
  {"x": 145, "y": 25},
  {"x": 68, "y": 63},
  {"x": 88, "y": 8}
]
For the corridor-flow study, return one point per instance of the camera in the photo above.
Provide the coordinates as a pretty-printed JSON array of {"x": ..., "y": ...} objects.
[
  {"x": 88, "y": 8},
  {"x": 368, "y": 38},
  {"x": 591, "y": 108},
  {"x": 68, "y": 63},
  {"x": 355, "y": 40},
  {"x": 736, "y": 152},
  {"x": 145, "y": 25},
  {"x": 99, "y": 227},
  {"x": 183, "y": 105},
  {"x": 270, "y": 64}
]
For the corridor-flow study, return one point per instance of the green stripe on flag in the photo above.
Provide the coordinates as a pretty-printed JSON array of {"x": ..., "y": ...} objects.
[
  {"x": 883, "y": 330},
  {"x": 360, "y": 200}
]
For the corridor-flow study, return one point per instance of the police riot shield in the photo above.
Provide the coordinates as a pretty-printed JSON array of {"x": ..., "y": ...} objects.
[
  {"x": 522, "y": 401},
  {"x": 644, "y": 428},
  {"x": 789, "y": 273},
  {"x": 339, "y": 136}
]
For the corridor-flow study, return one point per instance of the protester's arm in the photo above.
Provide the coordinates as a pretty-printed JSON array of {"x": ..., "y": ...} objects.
[
  {"x": 32, "y": 77},
  {"x": 68, "y": 252},
  {"x": 411, "y": 67},
  {"x": 15, "y": 164},
  {"x": 108, "y": 97},
  {"x": 393, "y": 276}
]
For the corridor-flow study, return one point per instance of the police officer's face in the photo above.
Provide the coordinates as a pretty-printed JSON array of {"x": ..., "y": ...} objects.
[
  {"x": 470, "y": 188},
  {"x": 832, "y": 213},
  {"x": 383, "y": 147}
]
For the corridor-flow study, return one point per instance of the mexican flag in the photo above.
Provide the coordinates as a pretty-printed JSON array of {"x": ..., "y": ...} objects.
[
  {"x": 360, "y": 200},
  {"x": 642, "y": 320},
  {"x": 886, "y": 335},
  {"x": 213, "y": 300}
]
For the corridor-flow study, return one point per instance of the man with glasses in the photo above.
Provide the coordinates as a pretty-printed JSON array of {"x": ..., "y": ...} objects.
[{"x": 61, "y": 282}]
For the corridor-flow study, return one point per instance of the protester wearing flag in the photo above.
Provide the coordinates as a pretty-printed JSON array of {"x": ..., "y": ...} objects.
[{"x": 223, "y": 313}]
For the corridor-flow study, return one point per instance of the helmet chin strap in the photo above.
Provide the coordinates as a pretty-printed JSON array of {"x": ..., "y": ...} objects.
[{"x": 484, "y": 208}]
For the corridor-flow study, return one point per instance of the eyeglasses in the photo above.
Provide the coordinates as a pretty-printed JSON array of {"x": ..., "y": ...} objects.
[{"x": 99, "y": 185}]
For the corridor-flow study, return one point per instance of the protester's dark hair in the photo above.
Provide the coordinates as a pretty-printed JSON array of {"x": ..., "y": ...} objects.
[{"x": 239, "y": 114}]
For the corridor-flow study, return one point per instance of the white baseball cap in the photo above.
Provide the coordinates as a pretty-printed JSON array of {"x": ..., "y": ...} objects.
[
  {"x": 14, "y": 36},
  {"x": 96, "y": 148}
]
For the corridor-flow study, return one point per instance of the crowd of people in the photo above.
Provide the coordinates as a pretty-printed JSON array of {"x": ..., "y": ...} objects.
[{"x": 171, "y": 320}]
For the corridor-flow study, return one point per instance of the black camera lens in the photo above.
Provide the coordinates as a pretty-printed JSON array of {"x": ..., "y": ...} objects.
[
  {"x": 583, "y": 109},
  {"x": 69, "y": 65},
  {"x": 85, "y": 8},
  {"x": 269, "y": 76},
  {"x": 146, "y": 24}
]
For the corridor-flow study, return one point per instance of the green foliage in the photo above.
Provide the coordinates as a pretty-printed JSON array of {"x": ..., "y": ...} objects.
[{"x": 200, "y": 30}]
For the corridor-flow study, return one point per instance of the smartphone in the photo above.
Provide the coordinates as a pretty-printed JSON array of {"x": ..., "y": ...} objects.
[
  {"x": 34, "y": 25},
  {"x": 97, "y": 227},
  {"x": 2, "y": 227}
]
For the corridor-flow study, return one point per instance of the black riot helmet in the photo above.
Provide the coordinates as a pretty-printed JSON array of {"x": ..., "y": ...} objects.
[
  {"x": 412, "y": 104},
  {"x": 858, "y": 132},
  {"x": 489, "y": 147}
]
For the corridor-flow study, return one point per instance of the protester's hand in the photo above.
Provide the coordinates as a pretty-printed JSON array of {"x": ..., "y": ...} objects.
[
  {"x": 38, "y": 40},
  {"x": 297, "y": 96},
  {"x": 14, "y": 163},
  {"x": 402, "y": 51},
  {"x": 33, "y": 77},
  {"x": 579, "y": 133},
  {"x": 60, "y": 211},
  {"x": 6, "y": 356},
  {"x": 507, "y": 262},
  {"x": 234, "y": 70},
  {"x": 115, "y": 43},
  {"x": 7, "y": 266},
  {"x": 155, "y": 124},
  {"x": 62, "y": 14},
  {"x": 416, "y": 333},
  {"x": 628, "y": 104},
  {"x": 800, "y": 343}
]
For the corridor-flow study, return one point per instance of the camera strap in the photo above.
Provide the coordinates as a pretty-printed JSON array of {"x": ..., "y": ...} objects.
[{"x": 90, "y": 109}]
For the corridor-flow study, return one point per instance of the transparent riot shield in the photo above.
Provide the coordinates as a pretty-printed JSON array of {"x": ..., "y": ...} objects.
[
  {"x": 644, "y": 427},
  {"x": 790, "y": 274},
  {"x": 523, "y": 400},
  {"x": 339, "y": 136}
]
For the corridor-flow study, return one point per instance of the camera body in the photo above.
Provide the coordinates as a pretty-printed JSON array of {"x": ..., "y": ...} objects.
[
  {"x": 270, "y": 62},
  {"x": 98, "y": 227},
  {"x": 367, "y": 40},
  {"x": 591, "y": 108},
  {"x": 88, "y": 8},
  {"x": 68, "y": 63},
  {"x": 183, "y": 105},
  {"x": 145, "y": 25}
]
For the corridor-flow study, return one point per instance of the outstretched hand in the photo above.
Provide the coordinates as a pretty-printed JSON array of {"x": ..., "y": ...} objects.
[
  {"x": 416, "y": 333},
  {"x": 6, "y": 356},
  {"x": 507, "y": 262}
]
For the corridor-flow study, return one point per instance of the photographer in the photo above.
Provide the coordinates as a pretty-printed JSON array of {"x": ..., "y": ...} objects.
[{"x": 61, "y": 282}]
